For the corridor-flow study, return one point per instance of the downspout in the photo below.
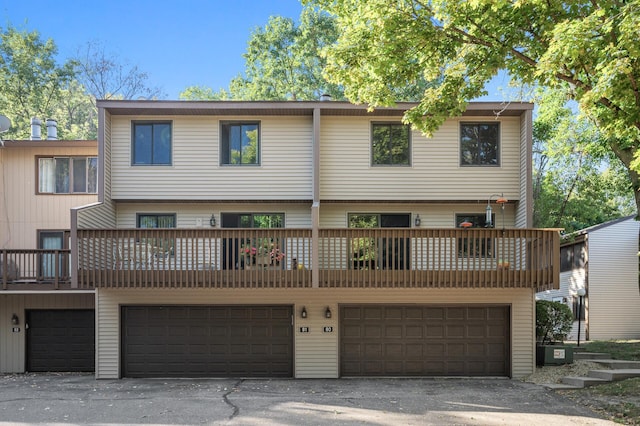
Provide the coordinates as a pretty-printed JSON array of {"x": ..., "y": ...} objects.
[{"x": 315, "y": 206}]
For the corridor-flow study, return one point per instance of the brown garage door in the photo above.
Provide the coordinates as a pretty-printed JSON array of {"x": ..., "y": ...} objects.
[
  {"x": 424, "y": 340},
  {"x": 207, "y": 341},
  {"x": 60, "y": 340}
]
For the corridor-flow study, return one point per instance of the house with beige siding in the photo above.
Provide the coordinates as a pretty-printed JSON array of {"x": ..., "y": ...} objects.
[
  {"x": 45, "y": 325},
  {"x": 311, "y": 240},
  {"x": 602, "y": 260}
]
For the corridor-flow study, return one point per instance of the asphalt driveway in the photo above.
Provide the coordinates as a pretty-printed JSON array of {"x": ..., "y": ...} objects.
[{"x": 70, "y": 399}]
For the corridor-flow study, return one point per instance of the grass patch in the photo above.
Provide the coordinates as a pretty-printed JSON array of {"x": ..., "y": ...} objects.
[
  {"x": 619, "y": 401},
  {"x": 618, "y": 349}
]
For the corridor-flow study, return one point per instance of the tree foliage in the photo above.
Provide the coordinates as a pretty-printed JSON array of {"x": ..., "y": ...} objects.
[
  {"x": 106, "y": 76},
  {"x": 588, "y": 50},
  {"x": 33, "y": 84},
  {"x": 282, "y": 62},
  {"x": 576, "y": 181},
  {"x": 553, "y": 321}
]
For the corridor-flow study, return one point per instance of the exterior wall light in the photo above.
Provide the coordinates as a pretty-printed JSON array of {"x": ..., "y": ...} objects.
[
  {"x": 212, "y": 221},
  {"x": 416, "y": 221},
  {"x": 303, "y": 312},
  {"x": 15, "y": 320},
  {"x": 327, "y": 313}
]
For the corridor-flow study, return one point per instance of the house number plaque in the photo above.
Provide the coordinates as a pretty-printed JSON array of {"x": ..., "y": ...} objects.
[
  {"x": 328, "y": 329},
  {"x": 304, "y": 329}
]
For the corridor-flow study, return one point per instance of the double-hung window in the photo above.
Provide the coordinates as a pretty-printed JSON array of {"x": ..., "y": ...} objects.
[
  {"x": 390, "y": 144},
  {"x": 239, "y": 143},
  {"x": 67, "y": 175},
  {"x": 479, "y": 144},
  {"x": 151, "y": 144}
]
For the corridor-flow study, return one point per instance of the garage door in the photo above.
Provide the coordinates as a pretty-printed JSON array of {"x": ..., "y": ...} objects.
[
  {"x": 60, "y": 340},
  {"x": 424, "y": 340},
  {"x": 207, "y": 341}
]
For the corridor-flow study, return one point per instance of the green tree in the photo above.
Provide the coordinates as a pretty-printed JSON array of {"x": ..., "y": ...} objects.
[
  {"x": 282, "y": 62},
  {"x": 106, "y": 76},
  {"x": 553, "y": 321},
  {"x": 577, "y": 183},
  {"x": 33, "y": 84},
  {"x": 588, "y": 50}
]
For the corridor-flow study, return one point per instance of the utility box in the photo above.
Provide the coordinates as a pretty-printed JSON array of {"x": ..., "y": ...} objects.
[{"x": 554, "y": 355}]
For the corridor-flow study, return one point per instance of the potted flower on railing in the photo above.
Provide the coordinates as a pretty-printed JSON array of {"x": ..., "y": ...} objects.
[
  {"x": 276, "y": 256},
  {"x": 249, "y": 254}
]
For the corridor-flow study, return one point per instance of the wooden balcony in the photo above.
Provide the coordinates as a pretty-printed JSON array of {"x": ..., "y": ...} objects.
[
  {"x": 35, "y": 269},
  {"x": 344, "y": 258}
]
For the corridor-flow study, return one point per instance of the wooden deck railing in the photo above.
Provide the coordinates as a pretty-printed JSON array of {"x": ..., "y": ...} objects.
[
  {"x": 346, "y": 258},
  {"x": 22, "y": 268}
]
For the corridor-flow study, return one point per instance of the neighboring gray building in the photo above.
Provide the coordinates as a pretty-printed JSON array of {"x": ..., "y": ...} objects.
[{"x": 602, "y": 259}]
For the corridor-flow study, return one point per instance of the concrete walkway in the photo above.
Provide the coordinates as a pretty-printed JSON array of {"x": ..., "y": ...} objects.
[{"x": 81, "y": 400}]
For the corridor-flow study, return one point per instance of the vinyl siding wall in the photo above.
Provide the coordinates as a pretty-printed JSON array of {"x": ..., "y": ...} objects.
[
  {"x": 197, "y": 215},
  {"x": 22, "y": 212},
  {"x": 435, "y": 172},
  {"x": 524, "y": 213},
  {"x": 101, "y": 215},
  {"x": 316, "y": 352},
  {"x": 196, "y": 174},
  {"x": 13, "y": 345},
  {"x": 431, "y": 215},
  {"x": 613, "y": 294}
]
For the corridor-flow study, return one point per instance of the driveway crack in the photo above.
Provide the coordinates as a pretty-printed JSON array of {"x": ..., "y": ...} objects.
[{"x": 225, "y": 398}]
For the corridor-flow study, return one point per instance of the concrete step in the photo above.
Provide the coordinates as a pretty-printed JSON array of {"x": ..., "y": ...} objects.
[
  {"x": 559, "y": 386},
  {"x": 582, "y": 382},
  {"x": 618, "y": 364},
  {"x": 590, "y": 355},
  {"x": 614, "y": 375}
]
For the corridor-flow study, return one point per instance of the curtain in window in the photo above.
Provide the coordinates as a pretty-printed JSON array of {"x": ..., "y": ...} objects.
[{"x": 47, "y": 175}]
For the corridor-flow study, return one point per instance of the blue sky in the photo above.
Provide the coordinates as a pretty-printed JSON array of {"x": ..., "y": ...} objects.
[{"x": 178, "y": 43}]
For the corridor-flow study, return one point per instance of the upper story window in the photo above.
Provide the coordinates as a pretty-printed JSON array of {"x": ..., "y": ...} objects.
[
  {"x": 68, "y": 175},
  {"x": 239, "y": 143},
  {"x": 151, "y": 143},
  {"x": 572, "y": 257},
  {"x": 479, "y": 144},
  {"x": 390, "y": 144}
]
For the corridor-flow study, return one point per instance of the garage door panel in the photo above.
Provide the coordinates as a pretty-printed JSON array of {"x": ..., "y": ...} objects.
[
  {"x": 393, "y": 332},
  {"x": 60, "y": 340},
  {"x": 372, "y": 313},
  {"x": 477, "y": 332},
  {"x": 211, "y": 341},
  {"x": 414, "y": 332},
  {"x": 455, "y": 331},
  {"x": 435, "y": 331},
  {"x": 424, "y": 340}
]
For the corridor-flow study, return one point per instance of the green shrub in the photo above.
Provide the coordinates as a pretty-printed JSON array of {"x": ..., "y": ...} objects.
[{"x": 553, "y": 321}]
